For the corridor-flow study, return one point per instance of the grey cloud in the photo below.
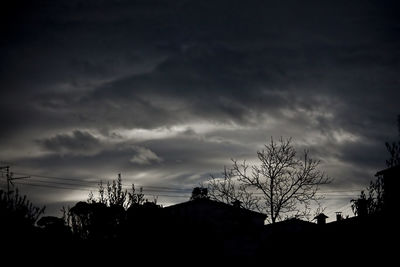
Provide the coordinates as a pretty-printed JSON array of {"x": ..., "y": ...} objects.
[
  {"x": 79, "y": 142},
  {"x": 265, "y": 68},
  {"x": 144, "y": 156},
  {"x": 212, "y": 77},
  {"x": 364, "y": 155}
]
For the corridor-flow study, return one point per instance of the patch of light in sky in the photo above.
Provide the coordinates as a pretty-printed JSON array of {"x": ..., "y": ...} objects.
[{"x": 173, "y": 131}]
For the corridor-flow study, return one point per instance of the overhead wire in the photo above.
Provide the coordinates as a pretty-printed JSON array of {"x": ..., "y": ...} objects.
[
  {"x": 88, "y": 190},
  {"x": 78, "y": 185},
  {"x": 95, "y": 182},
  {"x": 75, "y": 179},
  {"x": 85, "y": 185}
]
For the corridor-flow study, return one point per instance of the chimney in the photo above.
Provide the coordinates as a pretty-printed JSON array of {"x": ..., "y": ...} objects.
[
  {"x": 338, "y": 216},
  {"x": 321, "y": 219}
]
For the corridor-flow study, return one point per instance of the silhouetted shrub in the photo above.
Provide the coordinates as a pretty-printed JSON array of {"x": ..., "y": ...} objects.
[
  {"x": 18, "y": 209},
  {"x": 106, "y": 216}
]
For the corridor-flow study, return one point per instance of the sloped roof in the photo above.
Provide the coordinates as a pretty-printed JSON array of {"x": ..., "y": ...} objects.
[
  {"x": 395, "y": 169},
  {"x": 321, "y": 215},
  {"x": 294, "y": 221},
  {"x": 217, "y": 205}
]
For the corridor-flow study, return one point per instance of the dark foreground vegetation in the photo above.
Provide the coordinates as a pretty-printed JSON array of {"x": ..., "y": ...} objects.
[{"x": 122, "y": 226}]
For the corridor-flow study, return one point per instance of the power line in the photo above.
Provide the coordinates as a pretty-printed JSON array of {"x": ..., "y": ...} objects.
[
  {"x": 93, "y": 187},
  {"x": 98, "y": 182},
  {"x": 75, "y": 186},
  {"x": 88, "y": 190},
  {"x": 7, "y": 163},
  {"x": 334, "y": 198},
  {"x": 344, "y": 207},
  {"x": 53, "y": 186},
  {"x": 84, "y": 185},
  {"x": 320, "y": 193},
  {"x": 60, "y": 183},
  {"x": 56, "y": 178},
  {"x": 339, "y": 191},
  {"x": 162, "y": 188}
]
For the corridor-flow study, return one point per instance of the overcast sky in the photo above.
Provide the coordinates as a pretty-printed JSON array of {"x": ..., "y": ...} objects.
[{"x": 167, "y": 92}]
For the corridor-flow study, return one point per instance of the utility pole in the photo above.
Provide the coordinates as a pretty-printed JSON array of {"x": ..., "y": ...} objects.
[
  {"x": 7, "y": 168},
  {"x": 10, "y": 177}
]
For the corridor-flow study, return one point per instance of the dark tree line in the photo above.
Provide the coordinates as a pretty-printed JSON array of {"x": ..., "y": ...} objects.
[{"x": 372, "y": 200}]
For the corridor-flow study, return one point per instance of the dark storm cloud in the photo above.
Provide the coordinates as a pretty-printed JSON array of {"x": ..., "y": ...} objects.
[
  {"x": 113, "y": 158},
  {"x": 77, "y": 142},
  {"x": 75, "y": 75}
]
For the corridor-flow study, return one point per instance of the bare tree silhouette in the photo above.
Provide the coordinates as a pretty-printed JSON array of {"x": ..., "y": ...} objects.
[
  {"x": 281, "y": 184},
  {"x": 228, "y": 190},
  {"x": 114, "y": 195}
]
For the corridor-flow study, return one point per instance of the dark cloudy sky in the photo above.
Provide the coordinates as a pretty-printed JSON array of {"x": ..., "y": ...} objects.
[{"x": 166, "y": 92}]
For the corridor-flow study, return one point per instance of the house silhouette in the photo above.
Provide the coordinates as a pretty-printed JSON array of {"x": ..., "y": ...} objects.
[
  {"x": 391, "y": 185},
  {"x": 214, "y": 213}
]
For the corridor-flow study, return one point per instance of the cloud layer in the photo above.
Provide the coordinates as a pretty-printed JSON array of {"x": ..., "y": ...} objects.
[{"x": 167, "y": 93}]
